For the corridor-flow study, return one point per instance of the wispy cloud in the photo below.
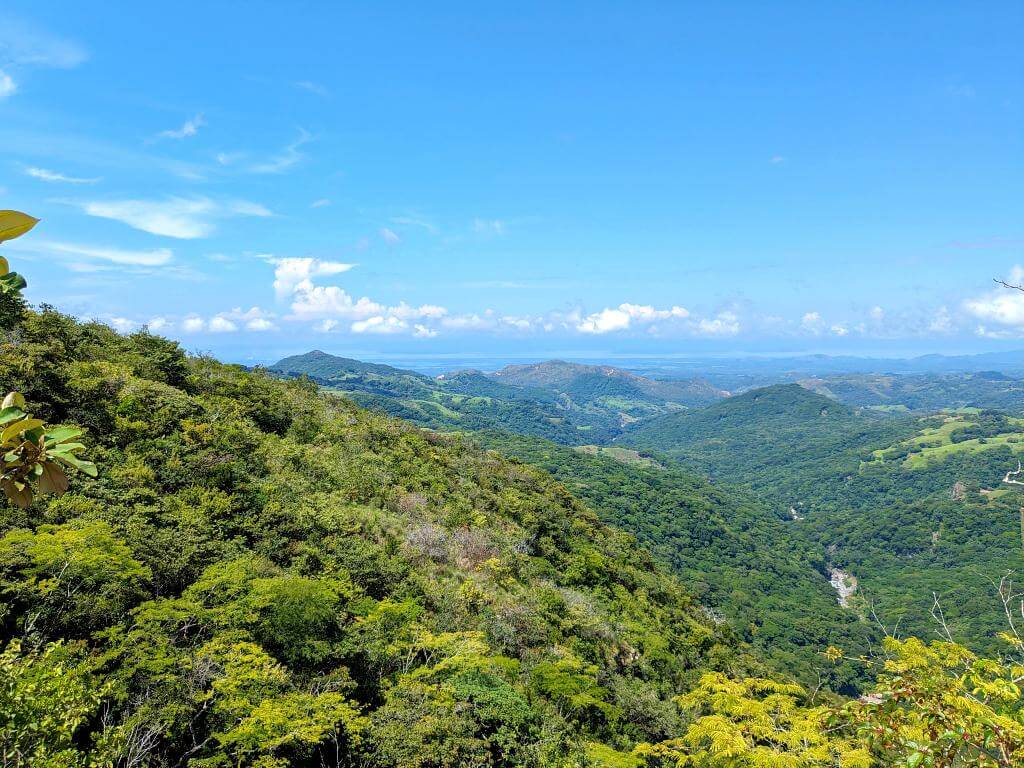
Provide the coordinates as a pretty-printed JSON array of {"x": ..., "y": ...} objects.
[
  {"x": 389, "y": 236},
  {"x": 54, "y": 176},
  {"x": 311, "y": 87},
  {"x": 415, "y": 221},
  {"x": 183, "y": 218},
  {"x": 323, "y": 202},
  {"x": 156, "y": 257},
  {"x": 289, "y": 157},
  {"x": 188, "y": 128},
  {"x": 25, "y": 47}
]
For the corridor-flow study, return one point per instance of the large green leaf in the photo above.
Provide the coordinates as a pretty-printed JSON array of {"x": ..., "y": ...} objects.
[
  {"x": 20, "y": 427},
  {"x": 8, "y": 415},
  {"x": 62, "y": 435},
  {"x": 73, "y": 461}
]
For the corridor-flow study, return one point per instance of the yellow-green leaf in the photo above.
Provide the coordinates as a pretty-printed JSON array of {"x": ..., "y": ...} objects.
[
  {"x": 18, "y": 428},
  {"x": 15, "y": 224},
  {"x": 13, "y": 400}
]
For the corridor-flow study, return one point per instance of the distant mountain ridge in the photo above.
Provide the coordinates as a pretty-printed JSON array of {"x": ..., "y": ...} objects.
[
  {"x": 591, "y": 381},
  {"x": 565, "y": 402}
]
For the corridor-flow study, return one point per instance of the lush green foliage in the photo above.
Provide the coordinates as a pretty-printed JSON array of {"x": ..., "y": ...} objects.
[
  {"x": 924, "y": 392},
  {"x": 564, "y": 402},
  {"x": 744, "y": 561},
  {"x": 935, "y": 705},
  {"x": 264, "y": 575},
  {"x": 893, "y": 501}
]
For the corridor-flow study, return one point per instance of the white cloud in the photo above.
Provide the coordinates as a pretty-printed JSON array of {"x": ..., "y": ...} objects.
[
  {"x": 158, "y": 324},
  {"x": 389, "y": 236},
  {"x": 192, "y": 324},
  {"x": 7, "y": 85},
  {"x": 291, "y": 272},
  {"x": 179, "y": 217},
  {"x": 724, "y": 324},
  {"x": 45, "y": 175},
  {"x": 812, "y": 323},
  {"x": 421, "y": 331},
  {"x": 877, "y": 314},
  {"x": 323, "y": 202},
  {"x": 260, "y": 324},
  {"x": 839, "y": 330},
  {"x": 1004, "y": 306},
  {"x": 380, "y": 324},
  {"x": 220, "y": 324},
  {"x": 188, "y": 128},
  {"x": 942, "y": 322},
  {"x": 289, "y": 157},
  {"x": 622, "y": 317},
  {"x": 122, "y": 324},
  {"x": 254, "y": 319},
  {"x": 156, "y": 257}
]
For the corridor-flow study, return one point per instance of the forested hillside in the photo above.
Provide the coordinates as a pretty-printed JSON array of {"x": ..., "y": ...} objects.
[
  {"x": 263, "y": 575},
  {"x": 565, "y": 402},
  {"x": 923, "y": 392},
  {"x": 464, "y": 401},
  {"x": 607, "y": 385},
  {"x": 748, "y": 562},
  {"x": 907, "y": 506}
]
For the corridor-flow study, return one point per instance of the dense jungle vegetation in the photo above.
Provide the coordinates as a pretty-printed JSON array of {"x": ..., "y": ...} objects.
[{"x": 910, "y": 506}]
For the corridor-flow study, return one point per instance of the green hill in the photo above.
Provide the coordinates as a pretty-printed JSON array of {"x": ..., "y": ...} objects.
[
  {"x": 593, "y": 410},
  {"x": 926, "y": 392},
  {"x": 910, "y": 507},
  {"x": 320, "y": 365},
  {"x": 752, "y": 565},
  {"x": 595, "y": 383},
  {"x": 265, "y": 575}
]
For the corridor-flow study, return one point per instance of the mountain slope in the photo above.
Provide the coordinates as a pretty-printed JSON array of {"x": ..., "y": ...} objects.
[
  {"x": 911, "y": 508},
  {"x": 589, "y": 383},
  {"x": 269, "y": 576},
  {"x": 750, "y": 564},
  {"x": 766, "y": 435},
  {"x": 469, "y": 400}
]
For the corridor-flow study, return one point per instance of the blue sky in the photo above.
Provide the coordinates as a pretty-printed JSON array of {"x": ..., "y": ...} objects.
[{"x": 521, "y": 179}]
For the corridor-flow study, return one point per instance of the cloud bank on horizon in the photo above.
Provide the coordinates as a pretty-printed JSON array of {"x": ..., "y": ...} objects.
[{"x": 224, "y": 202}]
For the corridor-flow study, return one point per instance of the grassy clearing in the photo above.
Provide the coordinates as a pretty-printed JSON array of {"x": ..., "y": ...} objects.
[
  {"x": 934, "y": 444},
  {"x": 624, "y": 455}
]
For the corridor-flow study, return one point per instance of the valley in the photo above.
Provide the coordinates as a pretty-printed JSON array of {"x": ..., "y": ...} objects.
[{"x": 800, "y": 486}]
